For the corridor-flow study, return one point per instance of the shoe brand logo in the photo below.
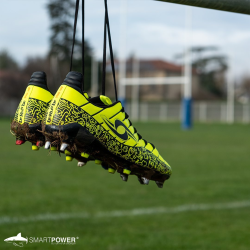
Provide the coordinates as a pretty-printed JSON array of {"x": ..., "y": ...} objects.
[
  {"x": 119, "y": 129},
  {"x": 17, "y": 240}
]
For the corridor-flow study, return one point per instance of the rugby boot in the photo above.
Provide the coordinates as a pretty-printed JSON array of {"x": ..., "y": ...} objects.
[
  {"x": 53, "y": 138},
  {"x": 99, "y": 128},
  {"x": 26, "y": 125},
  {"x": 31, "y": 110}
]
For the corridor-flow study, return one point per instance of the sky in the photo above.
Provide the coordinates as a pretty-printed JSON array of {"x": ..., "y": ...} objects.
[{"x": 153, "y": 30}]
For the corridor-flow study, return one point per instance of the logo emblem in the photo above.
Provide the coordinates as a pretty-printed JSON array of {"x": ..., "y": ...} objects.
[
  {"x": 119, "y": 129},
  {"x": 17, "y": 240}
]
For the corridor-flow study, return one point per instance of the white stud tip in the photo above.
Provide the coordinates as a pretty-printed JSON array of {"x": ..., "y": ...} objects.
[
  {"x": 145, "y": 181},
  {"x": 63, "y": 147},
  {"x": 124, "y": 177},
  {"x": 80, "y": 164},
  {"x": 47, "y": 144}
]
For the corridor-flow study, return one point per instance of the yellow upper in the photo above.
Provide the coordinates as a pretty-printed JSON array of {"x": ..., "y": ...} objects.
[
  {"x": 111, "y": 112},
  {"x": 35, "y": 101}
]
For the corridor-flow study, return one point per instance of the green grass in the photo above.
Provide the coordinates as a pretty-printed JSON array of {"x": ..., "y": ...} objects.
[{"x": 211, "y": 164}]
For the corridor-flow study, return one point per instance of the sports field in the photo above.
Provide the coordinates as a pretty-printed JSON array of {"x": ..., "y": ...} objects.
[{"x": 204, "y": 206}]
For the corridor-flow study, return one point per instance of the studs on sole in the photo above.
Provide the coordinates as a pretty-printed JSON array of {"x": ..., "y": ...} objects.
[
  {"x": 39, "y": 143},
  {"x": 47, "y": 144},
  {"x": 124, "y": 177},
  {"x": 20, "y": 142},
  {"x": 143, "y": 180},
  {"x": 98, "y": 162},
  {"x": 35, "y": 148},
  {"x": 53, "y": 148},
  {"x": 140, "y": 180},
  {"x": 63, "y": 147},
  {"x": 105, "y": 166},
  {"x": 111, "y": 170},
  {"x": 69, "y": 158},
  {"x": 159, "y": 184},
  {"x": 81, "y": 164},
  {"x": 84, "y": 155},
  {"x": 127, "y": 171},
  {"x": 67, "y": 152}
]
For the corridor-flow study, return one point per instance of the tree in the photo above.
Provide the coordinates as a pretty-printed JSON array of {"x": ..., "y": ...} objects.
[
  {"x": 210, "y": 68},
  {"x": 12, "y": 82},
  {"x": 7, "y": 62},
  {"x": 61, "y": 13},
  {"x": 35, "y": 64},
  {"x": 243, "y": 90},
  {"x": 211, "y": 73}
]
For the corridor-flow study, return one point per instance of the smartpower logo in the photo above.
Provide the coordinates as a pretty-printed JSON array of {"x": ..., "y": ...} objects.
[{"x": 19, "y": 241}]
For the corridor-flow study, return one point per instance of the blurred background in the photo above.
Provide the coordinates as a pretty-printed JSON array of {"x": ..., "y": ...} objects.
[
  {"x": 37, "y": 35},
  {"x": 205, "y": 204}
]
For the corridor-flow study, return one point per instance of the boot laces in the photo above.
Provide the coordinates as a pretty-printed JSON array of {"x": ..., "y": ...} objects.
[{"x": 135, "y": 130}]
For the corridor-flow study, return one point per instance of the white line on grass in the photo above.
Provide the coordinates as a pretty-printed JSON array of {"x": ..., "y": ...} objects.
[{"x": 122, "y": 213}]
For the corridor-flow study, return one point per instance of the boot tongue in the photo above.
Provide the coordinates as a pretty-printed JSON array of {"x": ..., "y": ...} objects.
[
  {"x": 74, "y": 80},
  {"x": 105, "y": 100},
  {"x": 39, "y": 79}
]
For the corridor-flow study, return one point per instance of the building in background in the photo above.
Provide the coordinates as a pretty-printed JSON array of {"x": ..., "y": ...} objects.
[{"x": 159, "y": 68}]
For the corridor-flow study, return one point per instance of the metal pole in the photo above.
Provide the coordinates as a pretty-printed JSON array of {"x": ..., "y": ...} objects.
[
  {"x": 237, "y": 6},
  {"x": 154, "y": 80},
  {"x": 230, "y": 95},
  {"x": 122, "y": 63},
  {"x": 94, "y": 77},
  {"x": 187, "y": 100},
  {"x": 135, "y": 89}
]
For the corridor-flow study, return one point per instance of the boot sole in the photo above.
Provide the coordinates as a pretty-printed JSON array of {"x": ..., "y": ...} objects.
[
  {"x": 28, "y": 132},
  {"x": 81, "y": 141}
]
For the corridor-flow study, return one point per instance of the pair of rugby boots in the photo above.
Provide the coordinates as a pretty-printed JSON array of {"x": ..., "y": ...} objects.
[{"x": 86, "y": 129}]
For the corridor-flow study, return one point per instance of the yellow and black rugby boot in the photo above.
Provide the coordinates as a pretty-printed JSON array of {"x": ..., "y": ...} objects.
[
  {"x": 101, "y": 129},
  {"x": 26, "y": 125},
  {"x": 31, "y": 110},
  {"x": 52, "y": 142}
]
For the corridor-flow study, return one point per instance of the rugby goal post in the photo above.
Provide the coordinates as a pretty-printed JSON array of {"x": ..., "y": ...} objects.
[
  {"x": 135, "y": 82},
  {"x": 186, "y": 80},
  {"x": 236, "y": 6}
]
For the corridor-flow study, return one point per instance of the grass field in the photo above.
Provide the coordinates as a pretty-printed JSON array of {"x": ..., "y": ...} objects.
[{"x": 211, "y": 166}]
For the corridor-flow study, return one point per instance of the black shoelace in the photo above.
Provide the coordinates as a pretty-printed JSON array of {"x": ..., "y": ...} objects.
[
  {"x": 74, "y": 35},
  {"x": 107, "y": 26},
  {"x": 83, "y": 42},
  {"x": 135, "y": 130}
]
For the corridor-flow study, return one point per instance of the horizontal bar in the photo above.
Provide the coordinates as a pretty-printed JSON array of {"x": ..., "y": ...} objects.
[
  {"x": 152, "y": 80},
  {"x": 237, "y": 6}
]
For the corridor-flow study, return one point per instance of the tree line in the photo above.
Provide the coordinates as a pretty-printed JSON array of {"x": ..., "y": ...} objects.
[{"x": 56, "y": 62}]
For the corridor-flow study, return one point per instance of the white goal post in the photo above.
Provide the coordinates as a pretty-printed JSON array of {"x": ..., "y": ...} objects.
[{"x": 152, "y": 80}]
